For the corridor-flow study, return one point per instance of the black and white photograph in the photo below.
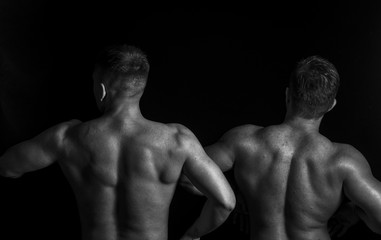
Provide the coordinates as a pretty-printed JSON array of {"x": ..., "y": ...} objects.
[{"x": 128, "y": 120}]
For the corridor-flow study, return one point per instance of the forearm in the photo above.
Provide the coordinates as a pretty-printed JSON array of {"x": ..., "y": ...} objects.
[{"x": 211, "y": 217}]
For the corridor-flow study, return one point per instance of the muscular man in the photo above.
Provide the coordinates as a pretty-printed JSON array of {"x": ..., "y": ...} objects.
[
  {"x": 292, "y": 178},
  {"x": 122, "y": 167}
]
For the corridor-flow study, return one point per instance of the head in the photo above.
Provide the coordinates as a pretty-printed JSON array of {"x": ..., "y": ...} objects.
[
  {"x": 120, "y": 71},
  {"x": 313, "y": 87}
]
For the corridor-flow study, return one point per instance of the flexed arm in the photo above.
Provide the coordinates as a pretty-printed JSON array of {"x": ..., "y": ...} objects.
[
  {"x": 221, "y": 153},
  {"x": 205, "y": 175},
  {"x": 220, "y": 156},
  {"x": 363, "y": 189},
  {"x": 36, "y": 153}
]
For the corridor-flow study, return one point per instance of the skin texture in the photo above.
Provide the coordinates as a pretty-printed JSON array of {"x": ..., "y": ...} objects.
[
  {"x": 124, "y": 170},
  {"x": 293, "y": 179}
]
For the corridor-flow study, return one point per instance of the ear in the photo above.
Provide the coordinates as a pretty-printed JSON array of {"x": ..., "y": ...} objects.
[
  {"x": 333, "y": 105},
  {"x": 104, "y": 92}
]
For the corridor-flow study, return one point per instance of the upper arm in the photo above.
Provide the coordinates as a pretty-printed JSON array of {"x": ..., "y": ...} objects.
[
  {"x": 204, "y": 174},
  {"x": 34, "y": 154},
  {"x": 359, "y": 184},
  {"x": 224, "y": 152}
]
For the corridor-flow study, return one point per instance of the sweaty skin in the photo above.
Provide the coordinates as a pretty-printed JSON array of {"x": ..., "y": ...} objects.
[
  {"x": 124, "y": 172},
  {"x": 293, "y": 179}
]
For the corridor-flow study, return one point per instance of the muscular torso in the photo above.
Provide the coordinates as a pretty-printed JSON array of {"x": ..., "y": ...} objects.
[
  {"x": 124, "y": 176},
  {"x": 289, "y": 181}
]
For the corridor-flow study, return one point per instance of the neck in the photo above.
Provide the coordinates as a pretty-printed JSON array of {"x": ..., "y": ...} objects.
[
  {"x": 310, "y": 125},
  {"x": 124, "y": 108}
]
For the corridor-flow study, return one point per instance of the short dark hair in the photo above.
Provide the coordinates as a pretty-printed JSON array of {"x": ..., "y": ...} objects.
[
  {"x": 313, "y": 87},
  {"x": 127, "y": 62}
]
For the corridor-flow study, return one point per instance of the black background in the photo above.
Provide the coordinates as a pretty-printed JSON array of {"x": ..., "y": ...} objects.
[{"x": 212, "y": 68}]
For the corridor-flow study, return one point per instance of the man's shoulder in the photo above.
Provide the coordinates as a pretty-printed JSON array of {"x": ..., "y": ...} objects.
[
  {"x": 54, "y": 137},
  {"x": 60, "y": 129},
  {"x": 69, "y": 124},
  {"x": 180, "y": 128},
  {"x": 349, "y": 159},
  {"x": 346, "y": 151},
  {"x": 241, "y": 133},
  {"x": 186, "y": 140},
  {"x": 246, "y": 128}
]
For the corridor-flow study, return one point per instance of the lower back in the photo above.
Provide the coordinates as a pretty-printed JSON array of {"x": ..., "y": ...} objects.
[
  {"x": 111, "y": 214},
  {"x": 273, "y": 234},
  {"x": 103, "y": 233}
]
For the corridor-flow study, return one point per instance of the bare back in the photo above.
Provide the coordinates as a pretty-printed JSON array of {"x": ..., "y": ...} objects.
[
  {"x": 124, "y": 171},
  {"x": 124, "y": 176},
  {"x": 289, "y": 181}
]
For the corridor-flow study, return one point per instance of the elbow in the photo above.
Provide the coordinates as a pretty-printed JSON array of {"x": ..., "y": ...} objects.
[{"x": 229, "y": 203}]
